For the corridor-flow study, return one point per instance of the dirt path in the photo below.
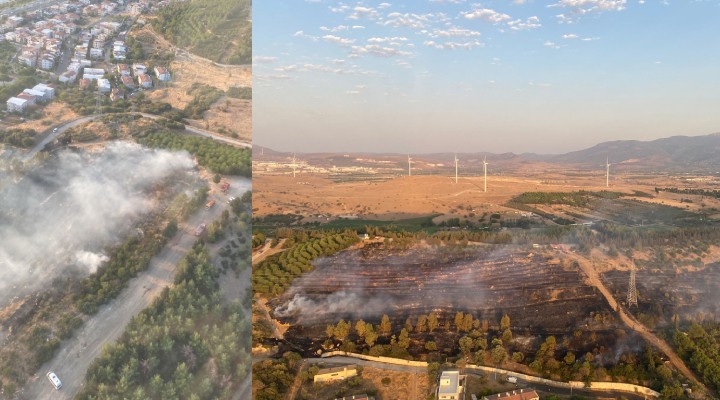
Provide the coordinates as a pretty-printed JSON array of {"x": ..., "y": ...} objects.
[
  {"x": 297, "y": 383},
  {"x": 76, "y": 354},
  {"x": 267, "y": 250},
  {"x": 631, "y": 322}
]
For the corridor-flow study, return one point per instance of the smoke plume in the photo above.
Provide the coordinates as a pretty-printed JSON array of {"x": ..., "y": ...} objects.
[{"x": 61, "y": 216}]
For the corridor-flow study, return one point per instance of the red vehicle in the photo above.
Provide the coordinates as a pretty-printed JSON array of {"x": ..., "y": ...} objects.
[{"x": 224, "y": 187}]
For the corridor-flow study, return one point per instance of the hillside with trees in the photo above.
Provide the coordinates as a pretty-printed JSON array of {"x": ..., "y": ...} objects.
[{"x": 220, "y": 30}]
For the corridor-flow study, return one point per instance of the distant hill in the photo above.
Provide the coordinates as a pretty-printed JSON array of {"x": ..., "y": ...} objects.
[
  {"x": 667, "y": 153},
  {"x": 677, "y": 153},
  {"x": 219, "y": 30}
]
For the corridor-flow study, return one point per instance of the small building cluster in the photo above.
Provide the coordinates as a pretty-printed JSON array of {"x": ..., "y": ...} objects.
[{"x": 39, "y": 94}]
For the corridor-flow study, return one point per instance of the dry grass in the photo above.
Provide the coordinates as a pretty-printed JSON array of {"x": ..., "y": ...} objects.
[{"x": 53, "y": 114}]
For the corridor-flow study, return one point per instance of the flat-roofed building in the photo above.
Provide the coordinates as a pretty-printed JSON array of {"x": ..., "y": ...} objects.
[{"x": 335, "y": 374}]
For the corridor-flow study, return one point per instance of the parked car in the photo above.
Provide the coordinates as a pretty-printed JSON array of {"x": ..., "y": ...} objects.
[{"x": 54, "y": 380}]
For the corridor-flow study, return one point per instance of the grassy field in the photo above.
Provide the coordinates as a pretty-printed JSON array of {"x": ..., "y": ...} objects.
[{"x": 219, "y": 30}]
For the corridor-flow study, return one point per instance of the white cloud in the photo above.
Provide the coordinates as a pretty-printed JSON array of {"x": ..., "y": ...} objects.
[
  {"x": 378, "y": 51},
  {"x": 387, "y": 39},
  {"x": 383, "y": 6},
  {"x": 530, "y": 23},
  {"x": 339, "y": 40},
  {"x": 352, "y": 92},
  {"x": 545, "y": 85},
  {"x": 409, "y": 20},
  {"x": 358, "y": 27},
  {"x": 448, "y": 1},
  {"x": 364, "y": 12},
  {"x": 467, "y": 45},
  {"x": 341, "y": 8},
  {"x": 338, "y": 28},
  {"x": 551, "y": 44},
  {"x": 579, "y": 8},
  {"x": 263, "y": 59},
  {"x": 486, "y": 14},
  {"x": 337, "y": 61},
  {"x": 570, "y": 36},
  {"x": 451, "y": 32}
]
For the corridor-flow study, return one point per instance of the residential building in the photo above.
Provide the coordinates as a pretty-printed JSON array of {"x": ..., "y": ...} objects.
[
  {"x": 32, "y": 100},
  {"x": 68, "y": 76},
  {"x": 520, "y": 394},
  {"x": 47, "y": 62},
  {"x": 356, "y": 397},
  {"x": 38, "y": 95},
  {"x": 48, "y": 91},
  {"x": 128, "y": 82},
  {"x": 335, "y": 374},
  {"x": 15, "y": 104},
  {"x": 96, "y": 53},
  {"x": 144, "y": 81},
  {"x": 84, "y": 83},
  {"x": 451, "y": 386},
  {"x": 162, "y": 73},
  {"x": 123, "y": 70},
  {"x": 117, "y": 94},
  {"x": 104, "y": 85},
  {"x": 139, "y": 68}
]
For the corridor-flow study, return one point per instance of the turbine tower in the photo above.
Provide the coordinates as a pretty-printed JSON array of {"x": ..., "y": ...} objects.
[
  {"x": 607, "y": 172},
  {"x": 456, "y": 168},
  {"x": 485, "y": 164},
  {"x": 294, "y": 164},
  {"x": 409, "y": 165},
  {"x": 632, "y": 290}
]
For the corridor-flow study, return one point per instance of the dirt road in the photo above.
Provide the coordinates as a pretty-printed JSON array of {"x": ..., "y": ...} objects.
[
  {"x": 76, "y": 354},
  {"x": 631, "y": 322},
  {"x": 267, "y": 250}
]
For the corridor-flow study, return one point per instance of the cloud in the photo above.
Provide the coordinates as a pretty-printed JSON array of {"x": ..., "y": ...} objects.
[
  {"x": 448, "y": 1},
  {"x": 454, "y": 45},
  {"x": 337, "y": 61},
  {"x": 364, "y": 12},
  {"x": 390, "y": 40},
  {"x": 486, "y": 14},
  {"x": 339, "y": 40},
  {"x": 530, "y": 23},
  {"x": 378, "y": 51},
  {"x": 570, "y": 36},
  {"x": 451, "y": 32},
  {"x": 352, "y": 92},
  {"x": 264, "y": 59},
  {"x": 341, "y": 8},
  {"x": 413, "y": 21},
  {"x": 383, "y": 6},
  {"x": 338, "y": 28},
  {"x": 302, "y": 34},
  {"x": 551, "y": 44},
  {"x": 578, "y": 8}
]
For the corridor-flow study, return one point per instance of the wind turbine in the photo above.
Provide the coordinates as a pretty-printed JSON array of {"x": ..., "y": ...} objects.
[
  {"x": 294, "y": 164},
  {"x": 607, "y": 172},
  {"x": 409, "y": 166},
  {"x": 456, "y": 168},
  {"x": 485, "y": 164}
]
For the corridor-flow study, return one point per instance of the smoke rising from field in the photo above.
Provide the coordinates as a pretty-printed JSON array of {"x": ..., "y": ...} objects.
[
  {"x": 60, "y": 217},
  {"x": 356, "y": 304}
]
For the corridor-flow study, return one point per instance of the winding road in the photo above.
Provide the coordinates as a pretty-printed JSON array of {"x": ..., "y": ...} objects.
[{"x": 53, "y": 134}]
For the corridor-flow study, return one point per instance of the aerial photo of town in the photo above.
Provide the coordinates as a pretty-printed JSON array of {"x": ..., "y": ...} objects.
[
  {"x": 506, "y": 200},
  {"x": 125, "y": 194}
]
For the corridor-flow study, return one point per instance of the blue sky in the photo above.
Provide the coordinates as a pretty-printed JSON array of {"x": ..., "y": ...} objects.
[{"x": 501, "y": 76}]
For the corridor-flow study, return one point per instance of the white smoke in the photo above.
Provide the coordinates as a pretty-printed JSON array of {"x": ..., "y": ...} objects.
[
  {"x": 90, "y": 260},
  {"x": 61, "y": 216},
  {"x": 355, "y": 304}
]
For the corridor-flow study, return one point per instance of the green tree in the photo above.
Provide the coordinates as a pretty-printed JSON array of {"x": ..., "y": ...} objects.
[
  {"x": 385, "y": 326},
  {"x": 505, "y": 322},
  {"x": 432, "y": 322}
]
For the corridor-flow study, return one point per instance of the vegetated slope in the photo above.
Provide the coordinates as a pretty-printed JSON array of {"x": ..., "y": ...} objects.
[
  {"x": 673, "y": 151},
  {"x": 219, "y": 30}
]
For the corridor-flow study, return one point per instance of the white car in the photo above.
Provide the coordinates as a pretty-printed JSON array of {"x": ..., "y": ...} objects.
[
  {"x": 54, "y": 380},
  {"x": 55, "y": 129},
  {"x": 230, "y": 200}
]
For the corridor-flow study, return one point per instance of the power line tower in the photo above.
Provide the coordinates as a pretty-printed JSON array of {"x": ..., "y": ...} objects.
[{"x": 632, "y": 290}]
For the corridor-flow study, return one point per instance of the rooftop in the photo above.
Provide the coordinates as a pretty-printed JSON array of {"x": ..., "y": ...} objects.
[
  {"x": 521, "y": 394},
  {"x": 449, "y": 382}
]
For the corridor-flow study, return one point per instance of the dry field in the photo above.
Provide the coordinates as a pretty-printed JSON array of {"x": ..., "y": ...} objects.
[
  {"x": 235, "y": 116},
  {"x": 53, "y": 114},
  {"x": 407, "y": 197},
  {"x": 402, "y": 386}
]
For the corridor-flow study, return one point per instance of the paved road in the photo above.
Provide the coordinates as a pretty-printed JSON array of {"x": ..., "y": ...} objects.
[
  {"x": 76, "y": 354},
  {"x": 52, "y": 135}
]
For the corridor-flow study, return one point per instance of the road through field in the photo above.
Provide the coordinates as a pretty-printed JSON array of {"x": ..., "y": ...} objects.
[
  {"x": 632, "y": 323},
  {"x": 76, "y": 354}
]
